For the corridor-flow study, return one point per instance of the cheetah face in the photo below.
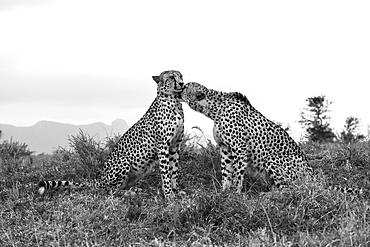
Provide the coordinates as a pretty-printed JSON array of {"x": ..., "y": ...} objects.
[
  {"x": 196, "y": 96},
  {"x": 169, "y": 83}
]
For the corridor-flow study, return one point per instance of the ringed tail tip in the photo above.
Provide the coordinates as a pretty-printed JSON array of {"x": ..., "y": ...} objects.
[
  {"x": 41, "y": 190},
  {"x": 42, "y": 187}
]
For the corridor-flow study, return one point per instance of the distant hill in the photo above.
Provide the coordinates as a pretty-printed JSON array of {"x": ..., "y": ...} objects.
[{"x": 46, "y": 136}]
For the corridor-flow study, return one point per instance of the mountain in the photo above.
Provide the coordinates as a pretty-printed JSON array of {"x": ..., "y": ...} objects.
[{"x": 46, "y": 136}]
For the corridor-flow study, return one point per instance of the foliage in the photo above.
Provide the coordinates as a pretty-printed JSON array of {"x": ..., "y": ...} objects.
[
  {"x": 343, "y": 165},
  {"x": 13, "y": 150},
  {"x": 350, "y": 133},
  {"x": 14, "y": 157},
  {"x": 287, "y": 128},
  {"x": 307, "y": 213},
  {"x": 90, "y": 151},
  {"x": 316, "y": 121}
]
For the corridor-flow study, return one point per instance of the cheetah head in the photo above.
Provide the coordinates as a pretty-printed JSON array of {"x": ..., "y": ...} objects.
[
  {"x": 169, "y": 83},
  {"x": 208, "y": 101},
  {"x": 196, "y": 96}
]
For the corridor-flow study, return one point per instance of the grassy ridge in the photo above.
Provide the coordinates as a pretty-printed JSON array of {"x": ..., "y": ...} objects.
[{"x": 307, "y": 213}]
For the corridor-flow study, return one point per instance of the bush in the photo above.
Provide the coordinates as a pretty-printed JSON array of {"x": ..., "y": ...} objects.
[
  {"x": 91, "y": 152},
  {"x": 200, "y": 164},
  {"x": 14, "y": 157},
  {"x": 13, "y": 150},
  {"x": 344, "y": 165}
]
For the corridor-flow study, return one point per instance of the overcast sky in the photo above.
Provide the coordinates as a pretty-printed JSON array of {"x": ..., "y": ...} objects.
[{"x": 83, "y": 61}]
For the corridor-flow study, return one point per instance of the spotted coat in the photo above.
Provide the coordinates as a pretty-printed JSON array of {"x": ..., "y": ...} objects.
[
  {"x": 155, "y": 138},
  {"x": 248, "y": 141}
]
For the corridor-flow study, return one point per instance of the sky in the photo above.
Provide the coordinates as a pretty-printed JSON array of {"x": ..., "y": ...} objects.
[{"x": 84, "y": 61}]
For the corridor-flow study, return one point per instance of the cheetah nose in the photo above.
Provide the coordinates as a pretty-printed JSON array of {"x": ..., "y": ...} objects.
[{"x": 181, "y": 84}]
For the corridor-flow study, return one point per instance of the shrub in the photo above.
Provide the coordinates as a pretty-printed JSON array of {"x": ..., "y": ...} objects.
[
  {"x": 14, "y": 156},
  {"x": 13, "y": 150},
  {"x": 91, "y": 152},
  {"x": 199, "y": 163}
]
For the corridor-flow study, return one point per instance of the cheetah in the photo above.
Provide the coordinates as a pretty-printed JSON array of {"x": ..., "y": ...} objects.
[
  {"x": 155, "y": 138},
  {"x": 248, "y": 141}
]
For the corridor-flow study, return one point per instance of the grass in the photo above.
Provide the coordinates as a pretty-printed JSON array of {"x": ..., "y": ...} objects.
[{"x": 307, "y": 213}]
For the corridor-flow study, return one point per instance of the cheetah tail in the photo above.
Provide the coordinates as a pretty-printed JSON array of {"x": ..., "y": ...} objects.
[{"x": 45, "y": 185}]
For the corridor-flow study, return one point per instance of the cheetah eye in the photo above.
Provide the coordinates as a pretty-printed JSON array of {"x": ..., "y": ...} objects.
[{"x": 199, "y": 96}]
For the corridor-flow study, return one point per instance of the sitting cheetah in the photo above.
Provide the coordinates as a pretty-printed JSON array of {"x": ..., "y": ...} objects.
[
  {"x": 247, "y": 139},
  {"x": 155, "y": 137}
]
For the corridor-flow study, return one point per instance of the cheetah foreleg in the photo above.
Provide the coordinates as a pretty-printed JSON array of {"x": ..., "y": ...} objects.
[
  {"x": 174, "y": 166},
  {"x": 164, "y": 166},
  {"x": 227, "y": 169}
]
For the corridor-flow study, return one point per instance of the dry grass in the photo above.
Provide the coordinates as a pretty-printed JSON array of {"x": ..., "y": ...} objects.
[{"x": 307, "y": 213}]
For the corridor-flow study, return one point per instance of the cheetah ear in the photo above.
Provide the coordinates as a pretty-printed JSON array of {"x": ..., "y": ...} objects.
[{"x": 156, "y": 78}]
